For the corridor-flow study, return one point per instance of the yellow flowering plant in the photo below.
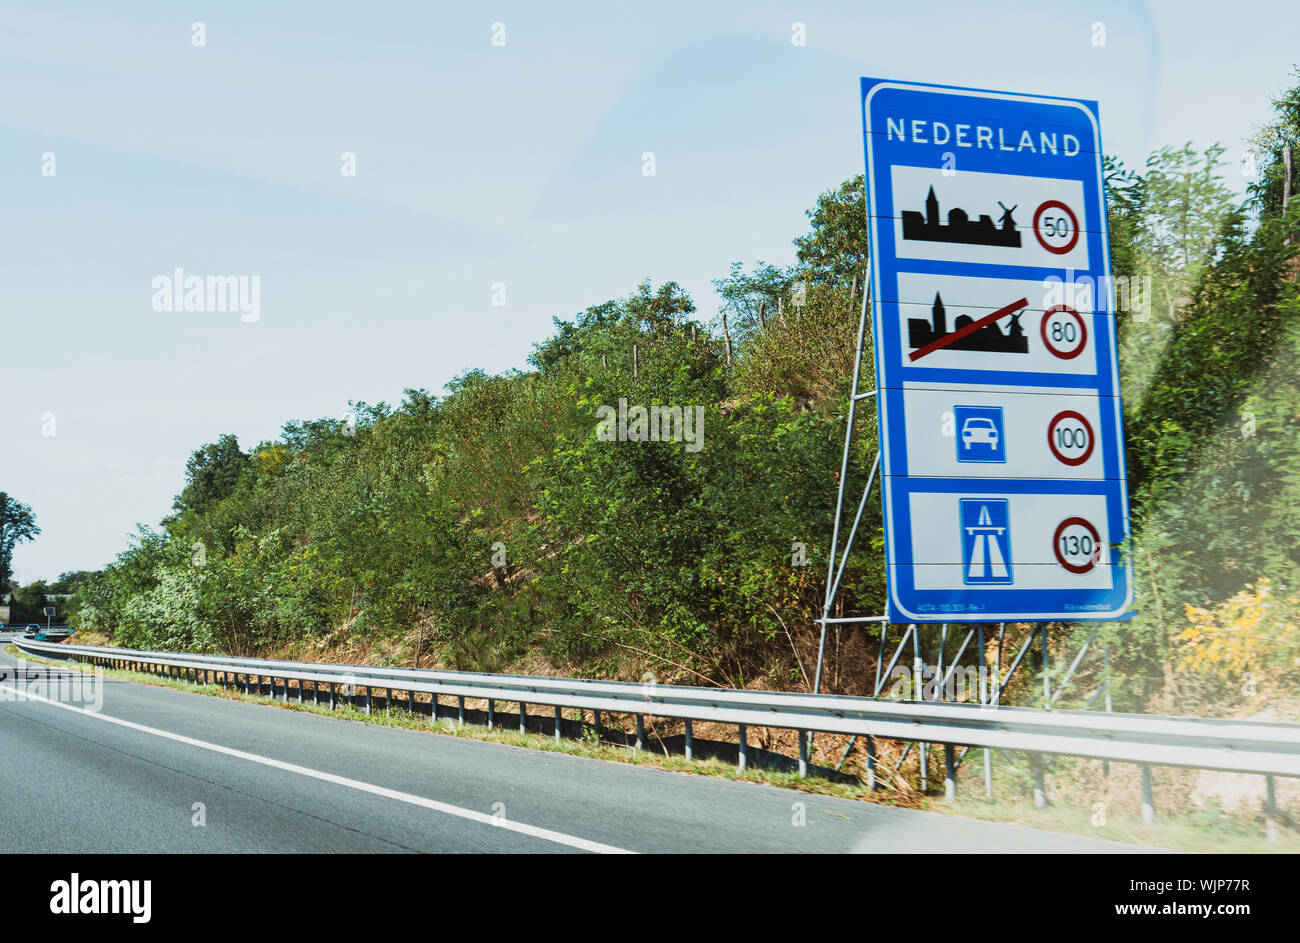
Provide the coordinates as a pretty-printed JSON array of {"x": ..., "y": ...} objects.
[{"x": 1252, "y": 630}]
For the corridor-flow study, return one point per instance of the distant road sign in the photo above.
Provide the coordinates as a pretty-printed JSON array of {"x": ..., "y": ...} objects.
[
  {"x": 49, "y": 611},
  {"x": 986, "y": 212}
]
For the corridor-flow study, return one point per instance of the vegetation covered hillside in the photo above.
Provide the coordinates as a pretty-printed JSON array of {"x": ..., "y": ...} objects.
[{"x": 496, "y": 527}]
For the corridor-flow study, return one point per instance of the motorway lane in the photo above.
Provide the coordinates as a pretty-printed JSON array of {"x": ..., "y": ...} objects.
[{"x": 72, "y": 782}]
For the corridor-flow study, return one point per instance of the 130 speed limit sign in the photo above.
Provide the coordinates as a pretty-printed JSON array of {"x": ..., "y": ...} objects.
[{"x": 1077, "y": 545}]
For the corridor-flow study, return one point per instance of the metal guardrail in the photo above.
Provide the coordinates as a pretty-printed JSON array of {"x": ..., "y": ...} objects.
[{"x": 1270, "y": 749}]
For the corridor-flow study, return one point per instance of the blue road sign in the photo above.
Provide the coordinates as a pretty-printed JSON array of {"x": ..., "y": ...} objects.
[
  {"x": 986, "y": 542},
  {"x": 979, "y": 434},
  {"x": 993, "y": 321}
]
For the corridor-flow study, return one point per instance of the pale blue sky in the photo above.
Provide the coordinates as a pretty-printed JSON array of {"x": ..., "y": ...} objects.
[{"x": 475, "y": 164}]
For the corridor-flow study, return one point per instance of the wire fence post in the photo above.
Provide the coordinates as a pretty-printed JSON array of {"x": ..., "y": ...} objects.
[{"x": 1270, "y": 810}]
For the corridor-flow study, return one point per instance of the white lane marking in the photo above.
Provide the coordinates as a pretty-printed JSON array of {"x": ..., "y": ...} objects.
[{"x": 535, "y": 831}]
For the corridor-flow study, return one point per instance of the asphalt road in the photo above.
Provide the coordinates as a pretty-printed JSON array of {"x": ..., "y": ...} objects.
[{"x": 159, "y": 770}]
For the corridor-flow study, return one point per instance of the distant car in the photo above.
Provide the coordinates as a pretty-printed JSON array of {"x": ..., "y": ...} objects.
[{"x": 979, "y": 429}]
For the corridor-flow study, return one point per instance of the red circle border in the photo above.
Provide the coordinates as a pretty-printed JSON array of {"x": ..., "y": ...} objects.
[
  {"x": 1074, "y": 240},
  {"x": 1092, "y": 437},
  {"x": 1083, "y": 332},
  {"x": 1096, "y": 542}
]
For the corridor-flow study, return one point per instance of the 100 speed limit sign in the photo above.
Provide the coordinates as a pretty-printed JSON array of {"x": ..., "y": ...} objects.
[{"x": 1070, "y": 437}]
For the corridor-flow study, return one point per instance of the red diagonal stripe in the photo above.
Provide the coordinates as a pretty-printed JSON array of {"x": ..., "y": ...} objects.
[{"x": 971, "y": 328}]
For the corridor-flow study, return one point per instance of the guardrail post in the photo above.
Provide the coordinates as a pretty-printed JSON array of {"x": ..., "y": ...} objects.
[
  {"x": 367, "y": 701},
  {"x": 492, "y": 713},
  {"x": 949, "y": 772},
  {"x": 595, "y": 724},
  {"x": 1270, "y": 810},
  {"x": 871, "y": 762},
  {"x": 284, "y": 695},
  {"x": 803, "y": 752},
  {"x": 247, "y": 684},
  {"x": 410, "y": 702},
  {"x": 640, "y": 732},
  {"x": 690, "y": 740},
  {"x": 559, "y": 724},
  {"x": 460, "y": 711},
  {"x": 1040, "y": 789},
  {"x": 301, "y": 682},
  {"x": 523, "y": 717},
  {"x": 333, "y": 697},
  {"x": 742, "y": 734},
  {"x": 1148, "y": 800},
  {"x": 388, "y": 702}
]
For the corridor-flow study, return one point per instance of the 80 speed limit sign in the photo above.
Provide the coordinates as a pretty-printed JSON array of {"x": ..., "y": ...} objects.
[{"x": 1064, "y": 332}]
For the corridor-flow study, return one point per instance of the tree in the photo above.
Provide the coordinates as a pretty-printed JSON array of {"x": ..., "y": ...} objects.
[
  {"x": 751, "y": 300},
  {"x": 17, "y": 523},
  {"x": 212, "y": 474},
  {"x": 836, "y": 249},
  {"x": 1275, "y": 141},
  {"x": 30, "y": 602}
]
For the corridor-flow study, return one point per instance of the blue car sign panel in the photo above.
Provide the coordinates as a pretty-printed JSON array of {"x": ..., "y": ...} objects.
[{"x": 1000, "y": 427}]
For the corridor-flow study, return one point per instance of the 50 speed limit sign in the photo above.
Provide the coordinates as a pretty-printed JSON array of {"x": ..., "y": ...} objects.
[{"x": 1056, "y": 226}]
